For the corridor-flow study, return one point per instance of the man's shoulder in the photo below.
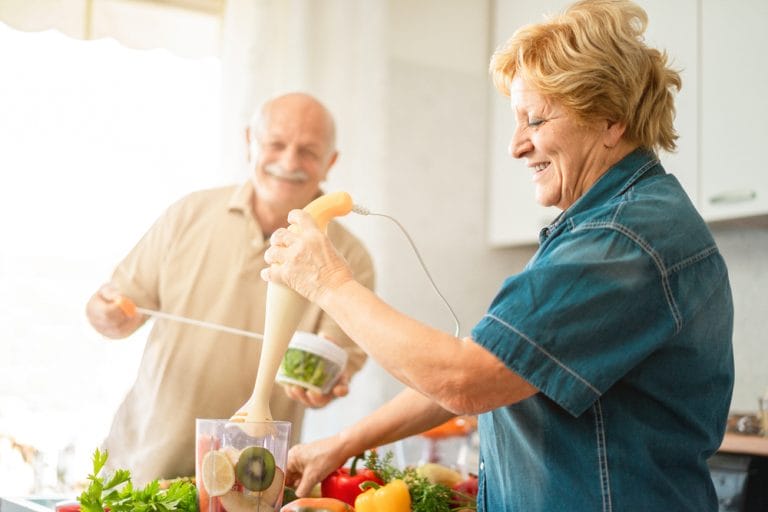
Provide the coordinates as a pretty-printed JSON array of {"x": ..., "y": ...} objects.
[
  {"x": 208, "y": 195},
  {"x": 200, "y": 200}
]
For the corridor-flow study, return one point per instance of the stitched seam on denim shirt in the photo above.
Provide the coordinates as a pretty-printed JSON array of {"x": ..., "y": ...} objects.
[
  {"x": 546, "y": 353},
  {"x": 693, "y": 259},
  {"x": 647, "y": 165},
  {"x": 654, "y": 256},
  {"x": 602, "y": 457}
]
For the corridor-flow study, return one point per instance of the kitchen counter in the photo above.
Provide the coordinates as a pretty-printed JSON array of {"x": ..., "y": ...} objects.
[
  {"x": 741, "y": 443},
  {"x": 28, "y": 504}
]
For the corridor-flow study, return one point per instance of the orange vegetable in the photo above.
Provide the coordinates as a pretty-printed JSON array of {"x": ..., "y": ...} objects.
[
  {"x": 458, "y": 426},
  {"x": 317, "y": 505}
]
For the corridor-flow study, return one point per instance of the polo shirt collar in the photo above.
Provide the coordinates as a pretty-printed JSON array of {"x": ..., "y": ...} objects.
[{"x": 241, "y": 198}]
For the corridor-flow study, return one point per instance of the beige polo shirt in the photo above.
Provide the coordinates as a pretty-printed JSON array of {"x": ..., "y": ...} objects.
[{"x": 201, "y": 259}]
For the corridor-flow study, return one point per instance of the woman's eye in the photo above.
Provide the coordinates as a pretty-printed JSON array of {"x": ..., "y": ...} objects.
[{"x": 535, "y": 122}]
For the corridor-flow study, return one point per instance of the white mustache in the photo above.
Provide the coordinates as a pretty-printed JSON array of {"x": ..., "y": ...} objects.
[{"x": 298, "y": 175}]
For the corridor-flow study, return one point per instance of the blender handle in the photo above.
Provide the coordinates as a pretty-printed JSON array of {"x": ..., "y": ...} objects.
[{"x": 328, "y": 206}]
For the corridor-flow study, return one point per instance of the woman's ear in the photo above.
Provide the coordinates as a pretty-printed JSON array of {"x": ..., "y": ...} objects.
[{"x": 613, "y": 133}]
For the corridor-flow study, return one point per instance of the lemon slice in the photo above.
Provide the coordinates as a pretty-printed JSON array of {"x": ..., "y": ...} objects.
[{"x": 218, "y": 473}]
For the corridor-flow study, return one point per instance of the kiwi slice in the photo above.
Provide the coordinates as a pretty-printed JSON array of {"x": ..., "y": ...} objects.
[{"x": 255, "y": 468}]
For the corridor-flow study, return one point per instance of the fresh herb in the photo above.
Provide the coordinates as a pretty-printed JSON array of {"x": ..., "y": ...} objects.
[
  {"x": 425, "y": 496},
  {"x": 116, "y": 492}
]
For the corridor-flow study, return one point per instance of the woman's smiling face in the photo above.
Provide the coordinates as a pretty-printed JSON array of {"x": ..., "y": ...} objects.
[{"x": 566, "y": 155}]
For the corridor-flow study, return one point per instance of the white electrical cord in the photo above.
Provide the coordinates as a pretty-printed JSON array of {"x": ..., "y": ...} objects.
[
  {"x": 199, "y": 323},
  {"x": 362, "y": 210}
]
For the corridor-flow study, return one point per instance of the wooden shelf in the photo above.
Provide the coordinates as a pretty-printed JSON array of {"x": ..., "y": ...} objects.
[{"x": 740, "y": 443}]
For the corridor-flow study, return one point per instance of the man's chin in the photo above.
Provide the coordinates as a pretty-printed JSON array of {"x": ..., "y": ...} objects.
[{"x": 284, "y": 198}]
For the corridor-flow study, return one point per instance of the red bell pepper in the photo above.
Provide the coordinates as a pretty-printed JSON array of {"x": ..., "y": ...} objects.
[{"x": 344, "y": 483}]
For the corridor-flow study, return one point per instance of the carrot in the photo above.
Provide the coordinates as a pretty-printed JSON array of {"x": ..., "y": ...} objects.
[{"x": 317, "y": 505}]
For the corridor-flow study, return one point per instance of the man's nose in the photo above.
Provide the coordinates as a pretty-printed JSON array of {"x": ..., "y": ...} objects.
[{"x": 289, "y": 159}]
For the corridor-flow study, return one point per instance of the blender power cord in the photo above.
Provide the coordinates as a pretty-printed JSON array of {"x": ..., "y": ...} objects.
[{"x": 362, "y": 210}]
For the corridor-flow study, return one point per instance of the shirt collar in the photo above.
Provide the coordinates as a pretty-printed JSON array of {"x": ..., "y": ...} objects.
[
  {"x": 242, "y": 198},
  {"x": 621, "y": 176}
]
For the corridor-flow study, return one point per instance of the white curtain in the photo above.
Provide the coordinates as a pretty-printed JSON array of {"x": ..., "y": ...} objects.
[{"x": 189, "y": 28}]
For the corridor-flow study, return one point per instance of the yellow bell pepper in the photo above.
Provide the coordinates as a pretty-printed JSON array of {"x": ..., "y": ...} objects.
[{"x": 393, "y": 497}]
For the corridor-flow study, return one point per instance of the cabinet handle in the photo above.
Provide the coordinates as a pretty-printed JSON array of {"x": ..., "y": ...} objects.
[{"x": 733, "y": 196}]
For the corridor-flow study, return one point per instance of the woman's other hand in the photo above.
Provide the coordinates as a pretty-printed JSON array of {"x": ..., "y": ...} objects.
[{"x": 308, "y": 464}]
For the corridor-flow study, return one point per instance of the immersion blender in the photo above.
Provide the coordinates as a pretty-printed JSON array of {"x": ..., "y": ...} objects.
[{"x": 284, "y": 310}]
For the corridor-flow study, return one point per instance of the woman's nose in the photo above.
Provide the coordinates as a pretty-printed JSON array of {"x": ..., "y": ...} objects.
[{"x": 519, "y": 145}]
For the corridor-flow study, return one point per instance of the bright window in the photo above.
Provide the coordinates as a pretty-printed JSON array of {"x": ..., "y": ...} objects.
[{"x": 96, "y": 141}]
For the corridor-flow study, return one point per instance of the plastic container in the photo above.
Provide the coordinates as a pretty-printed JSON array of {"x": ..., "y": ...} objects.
[{"x": 312, "y": 362}]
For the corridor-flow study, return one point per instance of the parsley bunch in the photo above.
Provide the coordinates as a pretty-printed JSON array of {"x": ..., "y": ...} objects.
[
  {"x": 116, "y": 492},
  {"x": 425, "y": 495}
]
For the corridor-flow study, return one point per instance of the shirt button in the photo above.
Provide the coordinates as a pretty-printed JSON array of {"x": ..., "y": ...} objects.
[{"x": 482, "y": 466}]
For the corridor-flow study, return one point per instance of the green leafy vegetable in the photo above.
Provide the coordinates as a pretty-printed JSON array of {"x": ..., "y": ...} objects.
[
  {"x": 305, "y": 367},
  {"x": 116, "y": 492},
  {"x": 425, "y": 496}
]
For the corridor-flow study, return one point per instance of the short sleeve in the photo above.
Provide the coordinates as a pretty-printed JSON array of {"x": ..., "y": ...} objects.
[
  {"x": 580, "y": 316},
  {"x": 137, "y": 276}
]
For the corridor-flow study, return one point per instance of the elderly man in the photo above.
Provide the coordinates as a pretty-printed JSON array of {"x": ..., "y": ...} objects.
[{"x": 201, "y": 259}]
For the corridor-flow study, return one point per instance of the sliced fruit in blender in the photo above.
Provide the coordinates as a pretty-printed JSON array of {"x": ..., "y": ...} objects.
[
  {"x": 234, "y": 501},
  {"x": 275, "y": 489},
  {"x": 218, "y": 473},
  {"x": 255, "y": 468}
]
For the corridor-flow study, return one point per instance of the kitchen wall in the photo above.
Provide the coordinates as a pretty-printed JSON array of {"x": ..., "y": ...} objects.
[{"x": 430, "y": 171}]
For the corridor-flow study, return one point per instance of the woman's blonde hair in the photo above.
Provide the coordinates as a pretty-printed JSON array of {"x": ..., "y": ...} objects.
[{"x": 592, "y": 60}]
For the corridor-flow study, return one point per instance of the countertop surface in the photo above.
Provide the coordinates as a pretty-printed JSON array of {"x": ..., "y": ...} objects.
[{"x": 741, "y": 443}]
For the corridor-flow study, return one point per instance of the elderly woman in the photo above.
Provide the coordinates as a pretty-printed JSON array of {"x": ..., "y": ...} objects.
[{"x": 602, "y": 373}]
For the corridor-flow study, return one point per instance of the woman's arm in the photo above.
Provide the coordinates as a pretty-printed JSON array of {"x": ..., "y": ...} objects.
[
  {"x": 458, "y": 374},
  {"x": 407, "y": 414}
]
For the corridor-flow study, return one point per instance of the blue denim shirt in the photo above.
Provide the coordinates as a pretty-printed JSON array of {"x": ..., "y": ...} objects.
[{"x": 623, "y": 320}]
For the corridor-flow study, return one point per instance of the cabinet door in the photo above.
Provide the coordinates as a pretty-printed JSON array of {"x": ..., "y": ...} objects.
[
  {"x": 734, "y": 114},
  {"x": 514, "y": 218}
]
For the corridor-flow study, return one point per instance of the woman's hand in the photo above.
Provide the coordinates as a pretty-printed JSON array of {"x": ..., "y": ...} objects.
[
  {"x": 308, "y": 464},
  {"x": 304, "y": 259}
]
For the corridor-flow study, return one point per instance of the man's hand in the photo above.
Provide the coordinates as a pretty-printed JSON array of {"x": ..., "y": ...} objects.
[
  {"x": 313, "y": 398},
  {"x": 107, "y": 317}
]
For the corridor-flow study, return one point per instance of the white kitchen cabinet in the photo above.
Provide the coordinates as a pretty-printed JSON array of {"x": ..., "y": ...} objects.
[
  {"x": 734, "y": 109},
  {"x": 719, "y": 48},
  {"x": 514, "y": 218}
]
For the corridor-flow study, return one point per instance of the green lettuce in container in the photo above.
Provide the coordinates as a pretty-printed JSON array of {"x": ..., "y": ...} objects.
[{"x": 312, "y": 362}]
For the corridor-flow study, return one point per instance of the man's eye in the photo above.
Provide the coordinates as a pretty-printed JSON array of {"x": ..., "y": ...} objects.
[{"x": 535, "y": 122}]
